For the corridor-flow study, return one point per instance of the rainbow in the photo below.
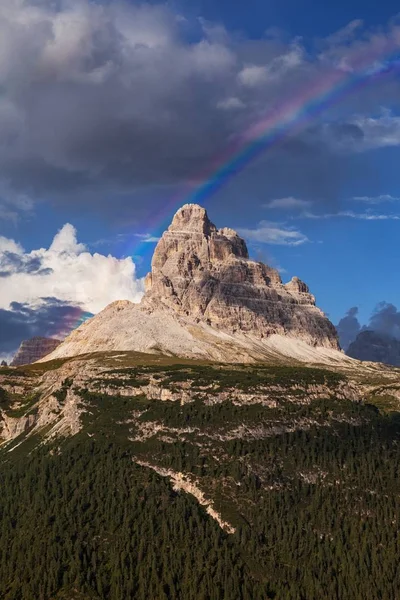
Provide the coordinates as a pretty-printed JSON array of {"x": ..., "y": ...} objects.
[
  {"x": 73, "y": 318},
  {"x": 281, "y": 122}
]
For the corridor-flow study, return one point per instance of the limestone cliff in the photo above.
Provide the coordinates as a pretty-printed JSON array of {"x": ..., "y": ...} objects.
[{"x": 204, "y": 273}]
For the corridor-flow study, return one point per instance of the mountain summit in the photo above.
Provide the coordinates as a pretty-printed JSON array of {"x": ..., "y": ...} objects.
[{"x": 206, "y": 298}]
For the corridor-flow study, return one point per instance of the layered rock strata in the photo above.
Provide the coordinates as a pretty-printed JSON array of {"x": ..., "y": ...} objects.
[
  {"x": 34, "y": 349},
  {"x": 205, "y": 273}
]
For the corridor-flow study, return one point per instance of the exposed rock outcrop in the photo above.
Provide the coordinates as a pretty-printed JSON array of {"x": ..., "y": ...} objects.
[
  {"x": 206, "y": 298},
  {"x": 34, "y": 349},
  {"x": 43, "y": 402},
  {"x": 375, "y": 347},
  {"x": 183, "y": 482}
]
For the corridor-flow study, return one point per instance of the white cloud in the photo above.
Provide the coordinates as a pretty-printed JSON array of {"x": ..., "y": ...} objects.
[
  {"x": 66, "y": 271},
  {"x": 378, "y": 132},
  {"x": 253, "y": 75},
  {"x": 349, "y": 214},
  {"x": 288, "y": 203},
  {"x": 147, "y": 238},
  {"x": 8, "y": 245},
  {"x": 273, "y": 233},
  {"x": 65, "y": 241},
  {"x": 287, "y": 61},
  {"x": 369, "y": 216},
  {"x": 376, "y": 199}
]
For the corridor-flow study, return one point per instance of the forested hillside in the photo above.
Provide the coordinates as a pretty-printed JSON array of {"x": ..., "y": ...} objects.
[{"x": 307, "y": 492}]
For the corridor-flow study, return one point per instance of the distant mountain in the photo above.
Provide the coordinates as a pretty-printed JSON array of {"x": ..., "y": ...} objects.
[
  {"x": 34, "y": 349},
  {"x": 205, "y": 298},
  {"x": 375, "y": 347}
]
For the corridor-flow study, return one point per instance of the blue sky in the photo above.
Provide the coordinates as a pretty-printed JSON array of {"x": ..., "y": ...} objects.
[
  {"x": 102, "y": 125},
  {"x": 307, "y": 18}
]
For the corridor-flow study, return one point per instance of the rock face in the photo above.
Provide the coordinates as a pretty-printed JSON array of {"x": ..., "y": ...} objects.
[
  {"x": 375, "y": 347},
  {"x": 34, "y": 349},
  {"x": 204, "y": 273},
  {"x": 205, "y": 298}
]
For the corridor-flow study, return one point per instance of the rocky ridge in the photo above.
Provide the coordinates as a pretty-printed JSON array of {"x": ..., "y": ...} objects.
[
  {"x": 34, "y": 349},
  {"x": 43, "y": 398},
  {"x": 205, "y": 298},
  {"x": 48, "y": 397}
]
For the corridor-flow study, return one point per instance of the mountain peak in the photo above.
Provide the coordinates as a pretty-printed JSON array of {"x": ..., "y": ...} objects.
[
  {"x": 205, "y": 274},
  {"x": 192, "y": 218}
]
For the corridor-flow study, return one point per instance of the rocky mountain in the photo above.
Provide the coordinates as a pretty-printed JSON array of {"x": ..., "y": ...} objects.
[
  {"x": 375, "y": 347},
  {"x": 206, "y": 298},
  {"x": 34, "y": 349},
  {"x": 206, "y": 274}
]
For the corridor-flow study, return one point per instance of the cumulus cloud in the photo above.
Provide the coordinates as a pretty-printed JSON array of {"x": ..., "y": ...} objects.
[
  {"x": 66, "y": 271},
  {"x": 274, "y": 233},
  {"x": 106, "y": 93},
  {"x": 9, "y": 246},
  {"x": 50, "y": 291},
  {"x": 100, "y": 98}
]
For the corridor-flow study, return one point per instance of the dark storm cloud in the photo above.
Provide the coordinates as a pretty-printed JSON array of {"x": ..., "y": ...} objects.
[
  {"x": 52, "y": 318},
  {"x": 348, "y": 328},
  {"x": 385, "y": 320},
  {"x": 100, "y": 101}
]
